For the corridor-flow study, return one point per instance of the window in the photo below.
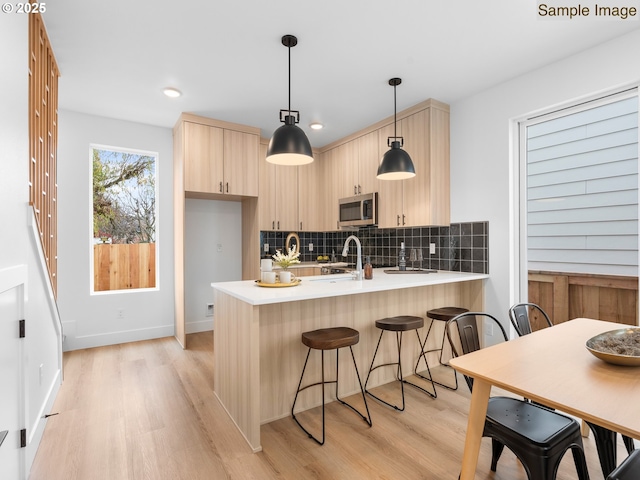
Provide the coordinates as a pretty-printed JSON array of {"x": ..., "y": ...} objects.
[
  {"x": 124, "y": 214},
  {"x": 582, "y": 189}
]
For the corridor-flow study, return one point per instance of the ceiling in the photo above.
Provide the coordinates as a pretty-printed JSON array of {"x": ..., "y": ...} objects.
[{"x": 227, "y": 58}]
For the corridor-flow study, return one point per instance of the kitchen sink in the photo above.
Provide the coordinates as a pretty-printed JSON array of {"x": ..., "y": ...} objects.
[
  {"x": 409, "y": 271},
  {"x": 333, "y": 278}
]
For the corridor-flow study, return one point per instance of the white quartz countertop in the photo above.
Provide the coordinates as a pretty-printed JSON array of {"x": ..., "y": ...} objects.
[{"x": 326, "y": 286}]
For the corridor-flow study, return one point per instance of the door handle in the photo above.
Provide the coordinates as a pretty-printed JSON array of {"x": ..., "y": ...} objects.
[
  {"x": 398, "y": 220},
  {"x": 273, "y": 225},
  {"x": 221, "y": 187},
  {"x": 403, "y": 219},
  {"x": 227, "y": 187}
]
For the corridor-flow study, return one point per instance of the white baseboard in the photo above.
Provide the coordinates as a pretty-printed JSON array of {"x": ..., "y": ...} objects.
[
  {"x": 73, "y": 342},
  {"x": 199, "y": 326},
  {"x": 38, "y": 425}
]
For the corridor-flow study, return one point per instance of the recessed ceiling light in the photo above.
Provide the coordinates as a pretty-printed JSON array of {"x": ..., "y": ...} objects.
[
  {"x": 316, "y": 126},
  {"x": 172, "y": 92}
]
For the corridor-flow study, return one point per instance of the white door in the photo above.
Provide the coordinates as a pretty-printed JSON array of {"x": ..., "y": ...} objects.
[{"x": 11, "y": 365}]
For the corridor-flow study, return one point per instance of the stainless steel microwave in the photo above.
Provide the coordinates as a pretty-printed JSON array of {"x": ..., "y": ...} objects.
[{"x": 358, "y": 211}]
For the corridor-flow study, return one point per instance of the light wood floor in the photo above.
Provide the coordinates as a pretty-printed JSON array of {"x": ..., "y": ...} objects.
[{"x": 146, "y": 410}]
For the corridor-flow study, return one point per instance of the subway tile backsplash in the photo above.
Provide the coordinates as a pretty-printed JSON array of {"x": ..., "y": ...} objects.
[{"x": 459, "y": 247}]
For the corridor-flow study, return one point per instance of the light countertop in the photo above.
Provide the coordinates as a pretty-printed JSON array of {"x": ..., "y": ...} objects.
[{"x": 325, "y": 286}]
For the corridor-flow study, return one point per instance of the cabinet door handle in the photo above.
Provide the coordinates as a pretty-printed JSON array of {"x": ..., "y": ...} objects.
[
  {"x": 359, "y": 190},
  {"x": 273, "y": 225},
  {"x": 355, "y": 190},
  {"x": 278, "y": 224},
  {"x": 403, "y": 219},
  {"x": 300, "y": 225},
  {"x": 337, "y": 224},
  {"x": 220, "y": 187},
  {"x": 398, "y": 220},
  {"x": 227, "y": 187}
]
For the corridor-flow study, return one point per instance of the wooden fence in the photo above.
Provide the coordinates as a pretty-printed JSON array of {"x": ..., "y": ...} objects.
[
  {"x": 124, "y": 266},
  {"x": 568, "y": 295}
]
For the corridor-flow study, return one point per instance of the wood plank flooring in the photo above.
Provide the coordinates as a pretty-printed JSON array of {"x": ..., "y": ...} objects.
[{"x": 146, "y": 410}]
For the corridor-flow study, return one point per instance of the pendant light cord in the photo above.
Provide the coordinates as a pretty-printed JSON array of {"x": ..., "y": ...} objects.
[
  {"x": 395, "y": 116},
  {"x": 289, "y": 48}
]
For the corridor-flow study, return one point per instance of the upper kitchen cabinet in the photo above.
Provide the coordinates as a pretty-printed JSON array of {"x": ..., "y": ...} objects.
[
  {"x": 278, "y": 200},
  {"x": 219, "y": 158},
  {"x": 311, "y": 195},
  {"x": 425, "y": 198},
  {"x": 368, "y": 161}
]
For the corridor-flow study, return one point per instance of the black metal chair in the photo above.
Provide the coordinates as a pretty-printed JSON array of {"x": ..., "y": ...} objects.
[
  {"x": 629, "y": 469},
  {"x": 539, "y": 437},
  {"x": 605, "y": 439},
  {"x": 520, "y": 316}
]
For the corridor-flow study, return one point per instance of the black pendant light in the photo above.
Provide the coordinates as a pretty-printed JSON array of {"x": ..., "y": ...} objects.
[
  {"x": 289, "y": 145},
  {"x": 396, "y": 164}
]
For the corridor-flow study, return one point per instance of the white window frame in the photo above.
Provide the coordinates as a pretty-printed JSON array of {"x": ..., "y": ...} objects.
[
  {"x": 156, "y": 155},
  {"x": 518, "y": 206}
]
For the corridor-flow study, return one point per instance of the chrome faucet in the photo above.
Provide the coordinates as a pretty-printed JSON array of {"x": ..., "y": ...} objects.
[{"x": 345, "y": 250}]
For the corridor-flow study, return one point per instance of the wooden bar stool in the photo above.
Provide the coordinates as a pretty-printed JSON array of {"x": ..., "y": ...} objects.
[
  {"x": 330, "y": 339},
  {"x": 398, "y": 324},
  {"x": 443, "y": 314}
]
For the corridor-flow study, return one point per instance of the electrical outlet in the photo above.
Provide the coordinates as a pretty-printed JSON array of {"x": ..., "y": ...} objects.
[
  {"x": 120, "y": 313},
  {"x": 488, "y": 328},
  {"x": 209, "y": 310},
  {"x": 266, "y": 248},
  {"x": 311, "y": 247},
  {"x": 219, "y": 247},
  {"x": 432, "y": 249}
]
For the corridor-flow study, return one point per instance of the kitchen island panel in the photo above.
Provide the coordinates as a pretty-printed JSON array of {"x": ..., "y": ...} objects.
[
  {"x": 236, "y": 367},
  {"x": 259, "y": 354},
  {"x": 282, "y": 353}
]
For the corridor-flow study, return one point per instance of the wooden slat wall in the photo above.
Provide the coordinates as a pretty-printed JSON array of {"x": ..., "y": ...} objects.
[
  {"x": 566, "y": 295},
  {"x": 124, "y": 266},
  {"x": 43, "y": 140}
]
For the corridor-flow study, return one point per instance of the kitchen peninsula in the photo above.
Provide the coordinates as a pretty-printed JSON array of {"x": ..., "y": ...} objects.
[{"x": 258, "y": 355}]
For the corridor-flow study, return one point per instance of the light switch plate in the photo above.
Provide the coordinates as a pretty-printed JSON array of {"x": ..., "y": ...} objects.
[
  {"x": 266, "y": 248},
  {"x": 311, "y": 247}
]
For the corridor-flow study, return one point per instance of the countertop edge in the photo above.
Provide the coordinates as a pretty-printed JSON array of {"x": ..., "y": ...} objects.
[{"x": 240, "y": 289}]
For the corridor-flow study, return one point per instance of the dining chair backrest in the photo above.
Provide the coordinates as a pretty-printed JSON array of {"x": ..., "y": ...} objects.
[
  {"x": 468, "y": 334},
  {"x": 520, "y": 316}
]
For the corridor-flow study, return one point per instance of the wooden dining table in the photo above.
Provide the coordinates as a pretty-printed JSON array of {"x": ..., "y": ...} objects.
[{"x": 553, "y": 367}]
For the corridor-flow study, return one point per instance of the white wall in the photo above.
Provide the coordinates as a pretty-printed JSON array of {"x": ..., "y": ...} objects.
[
  {"x": 481, "y": 152},
  {"x": 91, "y": 320},
  {"x": 213, "y": 253},
  {"x": 18, "y": 249}
]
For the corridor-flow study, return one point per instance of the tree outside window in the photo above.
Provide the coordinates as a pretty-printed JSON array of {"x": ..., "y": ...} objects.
[{"x": 124, "y": 218}]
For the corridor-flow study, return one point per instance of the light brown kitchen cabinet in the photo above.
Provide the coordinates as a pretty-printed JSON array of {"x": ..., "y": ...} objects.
[
  {"x": 368, "y": 161},
  {"x": 425, "y": 198},
  {"x": 278, "y": 199},
  {"x": 213, "y": 160},
  {"x": 311, "y": 196},
  {"x": 220, "y": 161},
  {"x": 240, "y": 163}
]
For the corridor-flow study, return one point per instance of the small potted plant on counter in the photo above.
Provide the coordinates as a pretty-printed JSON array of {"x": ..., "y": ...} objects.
[{"x": 284, "y": 261}]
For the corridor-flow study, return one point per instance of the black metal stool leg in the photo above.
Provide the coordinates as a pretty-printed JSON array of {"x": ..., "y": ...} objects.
[
  {"x": 367, "y": 419},
  {"x": 310, "y": 435},
  {"x": 429, "y": 378},
  {"x": 372, "y": 368},
  {"x": 423, "y": 355}
]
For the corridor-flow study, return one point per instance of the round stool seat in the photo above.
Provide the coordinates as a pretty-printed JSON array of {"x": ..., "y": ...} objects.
[
  {"x": 445, "y": 313},
  {"x": 331, "y": 338},
  {"x": 401, "y": 323}
]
